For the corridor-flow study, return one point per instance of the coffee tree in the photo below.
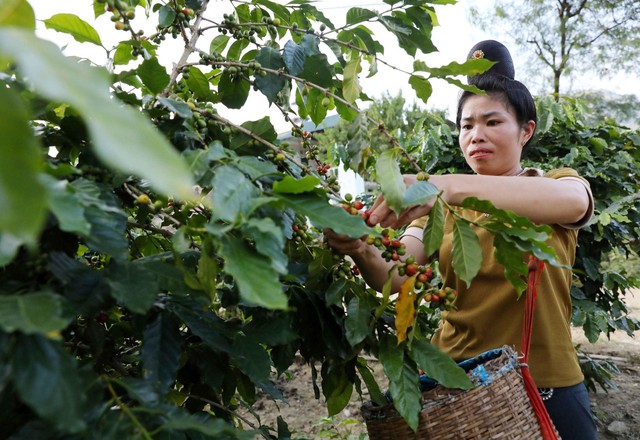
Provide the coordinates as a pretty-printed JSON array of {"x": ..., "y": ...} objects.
[{"x": 162, "y": 262}]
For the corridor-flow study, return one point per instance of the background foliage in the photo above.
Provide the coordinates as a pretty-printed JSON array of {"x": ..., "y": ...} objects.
[{"x": 161, "y": 263}]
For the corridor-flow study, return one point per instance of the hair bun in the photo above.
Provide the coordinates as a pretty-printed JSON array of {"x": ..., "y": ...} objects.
[{"x": 494, "y": 51}]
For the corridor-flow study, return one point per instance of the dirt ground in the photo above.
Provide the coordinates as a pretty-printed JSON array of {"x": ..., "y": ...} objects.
[{"x": 617, "y": 411}]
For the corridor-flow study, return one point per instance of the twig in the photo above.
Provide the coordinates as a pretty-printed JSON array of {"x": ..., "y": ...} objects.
[
  {"x": 189, "y": 48},
  {"x": 125, "y": 410},
  {"x": 135, "y": 192}
]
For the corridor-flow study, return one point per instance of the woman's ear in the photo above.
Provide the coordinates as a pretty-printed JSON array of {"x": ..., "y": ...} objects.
[{"x": 527, "y": 132}]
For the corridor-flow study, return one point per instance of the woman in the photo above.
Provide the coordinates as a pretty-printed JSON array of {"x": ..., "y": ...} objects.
[{"x": 494, "y": 129}]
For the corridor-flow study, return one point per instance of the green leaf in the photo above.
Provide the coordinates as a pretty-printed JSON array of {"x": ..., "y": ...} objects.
[
  {"x": 321, "y": 214},
  {"x": 153, "y": 75},
  {"x": 278, "y": 10},
  {"x": 317, "y": 111},
  {"x": 107, "y": 234},
  {"x": 233, "y": 194},
  {"x": 47, "y": 380},
  {"x": 133, "y": 285},
  {"x": 359, "y": 315},
  {"x": 403, "y": 380},
  {"x": 336, "y": 291},
  {"x": 358, "y": 146},
  {"x": 467, "y": 254},
  {"x": 515, "y": 268},
  {"x": 469, "y": 68},
  {"x": 291, "y": 185},
  {"x": 317, "y": 70},
  {"x": 17, "y": 13},
  {"x": 390, "y": 179},
  {"x": 9, "y": 246},
  {"x": 336, "y": 387},
  {"x": 419, "y": 193},
  {"x": 311, "y": 45},
  {"x": 438, "y": 366},
  {"x": 199, "y": 84},
  {"x": 181, "y": 421},
  {"x": 153, "y": 158},
  {"x": 67, "y": 208},
  {"x": 370, "y": 381},
  {"x": 205, "y": 325},
  {"x": 181, "y": 108},
  {"x": 255, "y": 167},
  {"x": 218, "y": 44},
  {"x": 161, "y": 351},
  {"x": 422, "y": 86},
  {"x": 294, "y": 57},
  {"x": 123, "y": 54},
  {"x": 350, "y": 84},
  {"x": 270, "y": 84},
  {"x": 358, "y": 15},
  {"x": 22, "y": 196},
  {"x": 396, "y": 26},
  {"x": 434, "y": 229},
  {"x": 32, "y": 313},
  {"x": 73, "y": 25},
  {"x": 595, "y": 323},
  {"x": 263, "y": 287},
  {"x": 364, "y": 34},
  {"x": 272, "y": 328},
  {"x": 269, "y": 241},
  {"x": 166, "y": 16},
  {"x": 251, "y": 358},
  {"x": 262, "y": 128},
  {"x": 518, "y": 226},
  {"x": 208, "y": 273},
  {"x": 235, "y": 50},
  {"x": 233, "y": 91}
]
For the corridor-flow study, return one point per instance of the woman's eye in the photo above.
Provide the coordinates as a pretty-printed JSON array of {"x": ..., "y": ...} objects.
[
  {"x": 493, "y": 122},
  {"x": 466, "y": 127}
]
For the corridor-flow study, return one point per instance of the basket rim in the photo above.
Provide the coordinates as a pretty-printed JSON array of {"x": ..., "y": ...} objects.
[{"x": 371, "y": 411}]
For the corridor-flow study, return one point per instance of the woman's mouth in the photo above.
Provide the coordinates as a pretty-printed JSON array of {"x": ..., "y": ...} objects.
[{"x": 479, "y": 153}]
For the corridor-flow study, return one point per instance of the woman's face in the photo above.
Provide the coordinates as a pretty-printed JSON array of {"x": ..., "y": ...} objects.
[{"x": 491, "y": 138}]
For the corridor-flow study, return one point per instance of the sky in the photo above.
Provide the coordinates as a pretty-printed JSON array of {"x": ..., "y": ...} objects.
[{"x": 453, "y": 38}]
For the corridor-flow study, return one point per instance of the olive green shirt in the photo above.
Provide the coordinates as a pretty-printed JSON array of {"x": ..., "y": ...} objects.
[{"x": 489, "y": 315}]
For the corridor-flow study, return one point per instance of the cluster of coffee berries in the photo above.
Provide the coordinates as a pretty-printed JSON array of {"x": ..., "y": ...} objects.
[
  {"x": 323, "y": 168},
  {"x": 344, "y": 268},
  {"x": 121, "y": 13},
  {"x": 272, "y": 25},
  {"x": 392, "y": 249},
  {"x": 332, "y": 183},
  {"x": 352, "y": 206},
  {"x": 443, "y": 298},
  {"x": 230, "y": 25},
  {"x": 183, "y": 15},
  {"x": 300, "y": 232}
]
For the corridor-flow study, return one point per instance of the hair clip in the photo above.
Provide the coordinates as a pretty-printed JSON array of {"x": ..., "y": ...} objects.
[{"x": 477, "y": 55}]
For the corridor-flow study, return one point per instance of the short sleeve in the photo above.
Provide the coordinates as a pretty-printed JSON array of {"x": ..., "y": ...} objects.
[
  {"x": 416, "y": 228},
  {"x": 571, "y": 174}
]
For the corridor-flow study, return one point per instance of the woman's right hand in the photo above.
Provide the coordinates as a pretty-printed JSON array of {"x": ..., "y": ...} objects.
[{"x": 345, "y": 244}]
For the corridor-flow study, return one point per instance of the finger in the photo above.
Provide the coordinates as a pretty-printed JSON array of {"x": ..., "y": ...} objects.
[
  {"x": 382, "y": 215},
  {"x": 411, "y": 214}
]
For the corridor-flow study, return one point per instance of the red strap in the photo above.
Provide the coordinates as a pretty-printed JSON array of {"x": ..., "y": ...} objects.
[{"x": 535, "y": 273}]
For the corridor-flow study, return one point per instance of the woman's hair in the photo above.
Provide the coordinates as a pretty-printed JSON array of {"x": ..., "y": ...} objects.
[{"x": 499, "y": 83}]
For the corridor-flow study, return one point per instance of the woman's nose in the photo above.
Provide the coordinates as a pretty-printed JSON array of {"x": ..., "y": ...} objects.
[{"x": 477, "y": 134}]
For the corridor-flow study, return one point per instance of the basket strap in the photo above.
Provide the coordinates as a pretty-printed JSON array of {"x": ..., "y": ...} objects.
[{"x": 546, "y": 426}]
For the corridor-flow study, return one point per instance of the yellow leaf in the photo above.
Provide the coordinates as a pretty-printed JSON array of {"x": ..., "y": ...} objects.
[{"x": 405, "y": 308}]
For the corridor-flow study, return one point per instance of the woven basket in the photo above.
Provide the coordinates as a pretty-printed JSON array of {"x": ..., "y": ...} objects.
[{"x": 500, "y": 409}]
